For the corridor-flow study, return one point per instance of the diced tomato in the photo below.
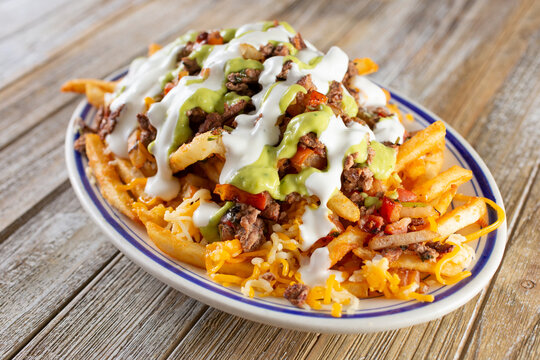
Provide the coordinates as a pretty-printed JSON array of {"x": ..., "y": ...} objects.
[
  {"x": 314, "y": 99},
  {"x": 302, "y": 153},
  {"x": 214, "y": 38},
  {"x": 390, "y": 210},
  {"x": 406, "y": 195},
  {"x": 168, "y": 87},
  {"x": 372, "y": 223},
  {"x": 229, "y": 192}
]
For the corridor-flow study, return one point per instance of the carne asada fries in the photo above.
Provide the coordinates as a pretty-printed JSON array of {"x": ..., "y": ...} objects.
[{"x": 280, "y": 169}]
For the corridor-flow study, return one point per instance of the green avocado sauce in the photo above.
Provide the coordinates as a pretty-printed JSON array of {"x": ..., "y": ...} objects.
[
  {"x": 302, "y": 65},
  {"x": 211, "y": 231},
  {"x": 239, "y": 64},
  {"x": 206, "y": 99},
  {"x": 349, "y": 105},
  {"x": 228, "y": 34},
  {"x": 270, "y": 24},
  {"x": 383, "y": 162},
  {"x": 201, "y": 54}
]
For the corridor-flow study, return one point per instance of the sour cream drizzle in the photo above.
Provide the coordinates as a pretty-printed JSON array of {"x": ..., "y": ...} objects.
[{"x": 246, "y": 142}]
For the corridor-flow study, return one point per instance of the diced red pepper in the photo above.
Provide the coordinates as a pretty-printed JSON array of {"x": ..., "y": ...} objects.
[
  {"x": 406, "y": 195},
  {"x": 228, "y": 192},
  {"x": 214, "y": 38},
  {"x": 302, "y": 153},
  {"x": 314, "y": 99},
  {"x": 168, "y": 87},
  {"x": 390, "y": 210}
]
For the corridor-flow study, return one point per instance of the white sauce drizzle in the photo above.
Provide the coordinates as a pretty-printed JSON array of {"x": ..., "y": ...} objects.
[
  {"x": 245, "y": 143},
  {"x": 389, "y": 129},
  {"x": 338, "y": 138},
  {"x": 203, "y": 214},
  {"x": 370, "y": 94},
  {"x": 141, "y": 81},
  {"x": 315, "y": 270}
]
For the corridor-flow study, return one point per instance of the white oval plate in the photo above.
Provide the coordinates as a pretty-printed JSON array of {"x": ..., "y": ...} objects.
[{"x": 375, "y": 314}]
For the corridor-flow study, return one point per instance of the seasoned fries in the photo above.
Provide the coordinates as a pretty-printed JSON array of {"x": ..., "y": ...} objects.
[{"x": 299, "y": 183}]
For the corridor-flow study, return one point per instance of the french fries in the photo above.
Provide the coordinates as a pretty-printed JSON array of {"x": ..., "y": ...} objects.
[
  {"x": 455, "y": 176},
  {"x": 461, "y": 217},
  {"x": 201, "y": 147},
  {"x": 107, "y": 177},
  {"x": 385, "y": 241},
  {"x": 420, "y": 144},
  {"x": 343, "y": 206},
  {"x": 189, "y": 252},
  {"x": 350, "y": 239},
  {"x": 93, "y": 88}
]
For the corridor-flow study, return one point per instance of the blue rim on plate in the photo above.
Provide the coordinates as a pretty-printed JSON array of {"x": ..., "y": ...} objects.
[{"x": 393, "y": 314}]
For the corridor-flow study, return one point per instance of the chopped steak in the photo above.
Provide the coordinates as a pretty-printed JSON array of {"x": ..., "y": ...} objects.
[
  {"x": 191, "y": 65},
  {"x": 108, "y": 122},
  {"x": 351, "y": 72},
  {"x": 415, "y": 223},
  {"x": 296, "y": 294},
  {"x": 357, "y": 179},
  {"x": 271, "y": 211},
  {"x": 196, "y": 117},
  {"x": 242, "y": 222},
  {"x": 230, "y": 111},
  {"x": 335, "y": 94},
  {"x": 298, "y": 42},
  {"x": 349, "y": 161},
  {"x": 244, "y": 82},
  {"x": 440, "y": 247},
  {"x": 425, "y": 253},
  {"x": 282, "y": 76},
  {"x": 185, "y": 51},
  {"x": 212, "y": 121},
  {"x": 310, "y": 141},
  {"x": 392, "y": 254},
  {"x": 370, "y": 155},
  {"x": 270, "y": 50},
  {"x": 307, "y": 83},
  {"x": 372, "y": 223},
  {"x": 148, "y": 132},
  {"x": 80, "y": 144}
]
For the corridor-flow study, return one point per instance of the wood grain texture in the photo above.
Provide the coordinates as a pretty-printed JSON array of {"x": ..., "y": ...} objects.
[{"x": 66, "y": 293}]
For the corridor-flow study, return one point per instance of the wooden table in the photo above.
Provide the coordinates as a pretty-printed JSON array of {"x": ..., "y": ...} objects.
[{"x": 66, "y": 292}]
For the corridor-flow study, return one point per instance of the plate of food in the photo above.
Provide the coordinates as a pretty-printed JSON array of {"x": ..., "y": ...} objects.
[{"x": 270, "y": 180}]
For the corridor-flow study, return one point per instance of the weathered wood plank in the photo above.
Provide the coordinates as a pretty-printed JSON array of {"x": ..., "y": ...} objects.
[
  {"x": 127, "y": 313},
  {"x": 44, "y": 264},
  {"x": 39, "y": 38},
  {"x": 230, "y": 337}
]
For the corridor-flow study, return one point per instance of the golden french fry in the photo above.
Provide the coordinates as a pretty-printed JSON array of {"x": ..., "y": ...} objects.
[
  {"x": 79, "y": 85},
  {"x": 95, "y": 95},
  {"x": 212, "y": 168},
  {"x": 343, "y": 207},
  {"x": 128, "y": 173},
  {"x": 415, "y": 169},
  {"x": 107, "y": 177},
  {"x": 461, "y": 217},
  {"x": 384, "y": 241},
  {"x": 417, "y": 212},
  {"x": 441, "y": 183},
  {"x": 153, "y": 48},
  {"x": 154, "y": 215},
  {"x": 358, "y": 289},
  {"x": 420, "y": 144},
  {"x": 190, "y": 252},
  {"x": 413, "y": 262},
  {"x": 348, "y": 240},
  {"x": 364, "y": 253},
  {"x": 433, "y": 164},
  {"x": 442, "y": 202},
  {"x": 201, "y": 147}
]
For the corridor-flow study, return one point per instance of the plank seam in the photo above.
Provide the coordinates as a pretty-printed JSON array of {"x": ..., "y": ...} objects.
[{"x": 26, "y": 216}]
